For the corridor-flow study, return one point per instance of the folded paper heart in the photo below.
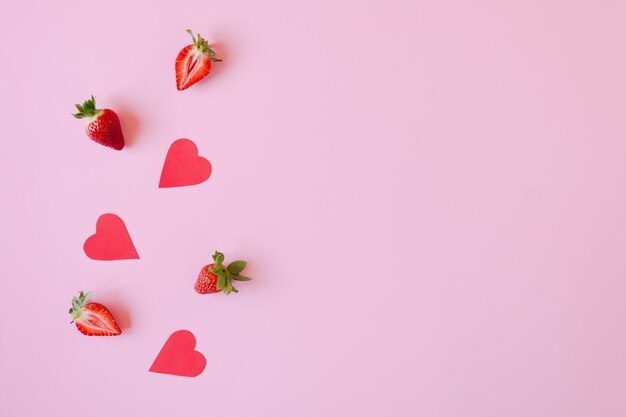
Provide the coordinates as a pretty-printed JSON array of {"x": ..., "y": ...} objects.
[
  {"x": 111, "y": 241},
  {"x": 178, "y": 357},
  {"x": 183, "y": 166}
]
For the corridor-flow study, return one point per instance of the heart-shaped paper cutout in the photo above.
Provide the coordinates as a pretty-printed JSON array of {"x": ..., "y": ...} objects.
[
  {"x": 178, "y": 357},
  {"x": 111, "y": 241},
  {"x": 183, "y": 166}
]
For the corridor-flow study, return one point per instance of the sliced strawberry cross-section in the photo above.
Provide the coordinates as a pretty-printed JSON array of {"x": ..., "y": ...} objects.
[
  {"x": 93, "y": 319},
  {"x": 193, "y": 62}
]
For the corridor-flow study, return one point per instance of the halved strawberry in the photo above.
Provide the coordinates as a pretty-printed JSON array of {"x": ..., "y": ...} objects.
[
  {"x": 193, "y": 62},
  {"x": 93, "y": 319}
]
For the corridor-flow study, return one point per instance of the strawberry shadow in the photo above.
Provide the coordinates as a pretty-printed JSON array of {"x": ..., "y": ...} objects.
[
  {"x": 129, "y": 121},
  {"x": 121, "y": 315},
  {"x": 116, "y": 305}
]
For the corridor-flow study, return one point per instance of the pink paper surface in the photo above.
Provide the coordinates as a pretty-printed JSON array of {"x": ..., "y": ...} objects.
[{"x": 430, "y": 196}]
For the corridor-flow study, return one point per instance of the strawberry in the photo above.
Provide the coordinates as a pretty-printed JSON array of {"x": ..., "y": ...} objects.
[
  {"x": 93, "y": 319},
  {"x": 216, "y": 277},
  {"x": 193, "y": 62},
  {"x": 103, "y": 125}
]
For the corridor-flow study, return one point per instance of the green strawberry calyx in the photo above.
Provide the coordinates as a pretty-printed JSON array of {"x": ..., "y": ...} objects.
[
  {"x": 78, "y": 303},
  {"x": 88, "y": 109},
  {"x": 202, "y": 45},
  {"x": 226, "y": 274}
]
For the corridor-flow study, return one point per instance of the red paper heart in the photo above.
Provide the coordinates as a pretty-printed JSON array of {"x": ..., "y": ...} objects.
[
  {"x": 183, "y": 166},
  {"x": 178, "y": 357},
  {"x": 111, "y": 241}
]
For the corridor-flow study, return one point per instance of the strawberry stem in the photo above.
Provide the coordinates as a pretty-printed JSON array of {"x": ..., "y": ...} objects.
[
  {"x": 78, "y": 303},
  {"x": 88, "y": 109},
  {"x": 203, "y": 46},
  {"x": 191, "y": 33},
  {"x": 226, "y": 274}
]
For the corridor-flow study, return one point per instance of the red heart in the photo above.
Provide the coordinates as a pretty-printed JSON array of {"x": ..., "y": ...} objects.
[
  {"x": 183, "y": 166},
  {"x": 111, "y": 241},
  {"x": 178, "y": 357}
]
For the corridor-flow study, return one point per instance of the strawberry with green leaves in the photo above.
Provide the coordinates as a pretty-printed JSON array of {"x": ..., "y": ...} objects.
[
  {"x": 216, "y": 277},
  {"x": 193, "y": 62},
  {"x": 93, "y": 319},
  {"x": 102, "y": 125}
]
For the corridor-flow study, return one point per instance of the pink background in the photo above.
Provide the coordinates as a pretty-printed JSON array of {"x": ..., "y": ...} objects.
[{"x": 431, "y": 196}]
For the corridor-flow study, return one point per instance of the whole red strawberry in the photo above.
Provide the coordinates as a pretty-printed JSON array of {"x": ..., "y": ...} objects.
[
  {"x": 103, "y": 125},
  {"x": 193, "y": 62},
  {"x": 216, "y": 277},
  {"x": 93, "y": 319}
]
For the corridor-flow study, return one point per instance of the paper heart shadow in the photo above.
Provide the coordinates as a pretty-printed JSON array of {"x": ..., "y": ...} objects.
[
  {"x": 111, "y": 240},
  {"x": 178, "y": 357},
  {"x": 183, "y": 166}
]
